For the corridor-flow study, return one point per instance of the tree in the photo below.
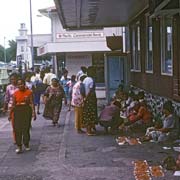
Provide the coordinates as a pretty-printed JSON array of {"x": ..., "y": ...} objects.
[
  {"x": 1, "y": 53},
  {"x": 11, "y": 51}
]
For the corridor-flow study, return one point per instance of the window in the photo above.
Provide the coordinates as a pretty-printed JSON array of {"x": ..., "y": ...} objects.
[
  {"x": 136, "y": 48},
  {"x": 98, "y": 64},
  {"x": 166, "y": 45},
  {"x": 149, "y": 58},
  {"x": 22, "y": 48}
]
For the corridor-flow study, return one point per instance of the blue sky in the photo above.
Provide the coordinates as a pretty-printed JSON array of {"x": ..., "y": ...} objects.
[{"x": 14, "y": 12}]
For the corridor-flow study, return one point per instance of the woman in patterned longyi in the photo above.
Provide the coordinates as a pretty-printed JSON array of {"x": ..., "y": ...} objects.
[
  {"x": 53, "y": 97},
  {"x": 90, "y": 103}
]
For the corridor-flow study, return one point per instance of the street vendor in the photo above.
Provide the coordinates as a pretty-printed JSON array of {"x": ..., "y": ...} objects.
[
  {"x": 169, "y": 130},
  {"x": 110, "y": 116}
]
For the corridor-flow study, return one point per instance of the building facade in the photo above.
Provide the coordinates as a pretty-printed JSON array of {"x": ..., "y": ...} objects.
[
  {"x": 154, "y": 46},
  {"x": 72, "y": 49}
]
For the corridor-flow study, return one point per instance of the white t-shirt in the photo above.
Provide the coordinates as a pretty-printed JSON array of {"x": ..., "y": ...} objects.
[
  {"x": 88, "y": 83},
  {"x": 48, "y": 77}
]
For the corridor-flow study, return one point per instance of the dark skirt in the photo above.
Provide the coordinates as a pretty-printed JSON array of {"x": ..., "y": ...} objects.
[
  {"x": 22, "y": 124},
  {"x": 52, "y": 111},
  {"x": 90, "y": 110}
]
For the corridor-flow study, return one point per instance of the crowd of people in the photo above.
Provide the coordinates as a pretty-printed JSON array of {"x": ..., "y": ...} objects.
[
  {"x": 125, "y": 111},
  {"x": 130, "y": 111},
  {"x": 25, "y": 92}
]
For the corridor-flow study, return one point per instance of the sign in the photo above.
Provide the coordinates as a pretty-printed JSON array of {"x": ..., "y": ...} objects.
[
  {"x": 41, "y": 50},
  {"x": 79, "y": 35}
]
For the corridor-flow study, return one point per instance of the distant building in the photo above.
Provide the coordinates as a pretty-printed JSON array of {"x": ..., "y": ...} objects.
[{"x": 24, "y": 46}]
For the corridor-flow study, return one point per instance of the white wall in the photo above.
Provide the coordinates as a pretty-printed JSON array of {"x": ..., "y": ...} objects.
[{"x": 75, "y": 60}]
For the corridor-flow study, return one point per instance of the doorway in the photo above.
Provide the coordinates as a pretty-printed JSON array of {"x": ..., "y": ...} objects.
[{"x": 115, "y": 74}]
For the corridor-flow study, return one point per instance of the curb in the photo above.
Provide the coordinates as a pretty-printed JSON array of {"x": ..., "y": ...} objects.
[{"x": 62, "y": 149}]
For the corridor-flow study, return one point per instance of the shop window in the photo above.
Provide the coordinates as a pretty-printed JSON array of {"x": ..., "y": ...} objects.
[
  {"x": 98, "y": 64},
  {"x": 136, "y": 48},
  {"x": 149, "y": 58},
  {"x": 166, "y": 45}
]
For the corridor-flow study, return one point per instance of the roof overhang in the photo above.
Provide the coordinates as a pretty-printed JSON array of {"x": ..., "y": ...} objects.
[
  {"x": 66, "y": 47},
  {"x": 165, "y": 7},
  {"x": 86, "y": 14}
]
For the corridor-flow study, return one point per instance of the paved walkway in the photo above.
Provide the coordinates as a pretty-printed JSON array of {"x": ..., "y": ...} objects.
[{"x": 59, "y": 153}]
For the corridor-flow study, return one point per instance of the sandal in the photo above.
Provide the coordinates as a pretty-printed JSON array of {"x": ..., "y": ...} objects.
[{"x": 91, "y": 134}]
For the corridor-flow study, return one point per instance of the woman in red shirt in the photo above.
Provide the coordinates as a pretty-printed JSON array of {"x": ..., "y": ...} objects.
[{"x": 23, "y": 110}]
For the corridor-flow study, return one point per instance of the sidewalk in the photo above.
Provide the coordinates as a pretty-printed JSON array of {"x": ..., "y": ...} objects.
[{"x": 61, "y": 153}]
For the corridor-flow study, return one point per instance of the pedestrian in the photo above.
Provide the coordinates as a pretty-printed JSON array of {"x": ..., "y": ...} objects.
[
  {"x": 10, "y": 89},
  {"x": 53, "y": 97},
  {"x": 38, "y": 88},
  {"x": 78, "y": 95},
  {"x": 64, "y": 82},
  {"x": 70, "y": 84},
  {"x": 49, "y": 75},
  {"x": 29, "y": 84},
  {"x": 23, "y": 110},
  {"x": 90, "y": 103}
]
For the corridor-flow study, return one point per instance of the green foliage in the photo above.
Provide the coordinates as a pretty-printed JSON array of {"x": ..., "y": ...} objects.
[
  {"x": 1, "y": 53},
  {"x": 11, "y": 51}
]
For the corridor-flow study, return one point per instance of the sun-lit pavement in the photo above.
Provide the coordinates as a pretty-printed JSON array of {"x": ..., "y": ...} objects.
[{"x": 59, "y": 153}]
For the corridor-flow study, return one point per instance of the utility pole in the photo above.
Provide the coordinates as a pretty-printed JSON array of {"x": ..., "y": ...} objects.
[{"x": 31, "y": 26}]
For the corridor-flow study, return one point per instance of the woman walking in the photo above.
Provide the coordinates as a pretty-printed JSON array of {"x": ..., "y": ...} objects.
[
  {"x": 22, "y": 110},
  {"x": 10, "y": 89},
  {"x": 53, "y": 101}
]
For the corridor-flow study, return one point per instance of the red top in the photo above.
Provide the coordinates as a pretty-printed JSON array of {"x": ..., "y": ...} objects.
[
  {"x": 22, "y": 96},
  {"x": 142, "y": 114}
]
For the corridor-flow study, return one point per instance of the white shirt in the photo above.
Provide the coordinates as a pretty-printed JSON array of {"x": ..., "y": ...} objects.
[
  {"x": 48, "y": 77},
  {"x": 88, "y": 83}
]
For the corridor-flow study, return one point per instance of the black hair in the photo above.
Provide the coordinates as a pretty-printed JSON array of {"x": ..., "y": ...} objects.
[
  {"x": 84, "y": 69},
  {"x": 22, "y": 80},
  {"x": 168, "y": 106},
  {"x": 82, "y": 77},
  {"x": 55, "y": 79},
  {"x": 14, "y": 74},
  {"x": 91, "y": 72},
  {"x": 117, "y": 103},
  {"x": 141, "y": 95},
  {"x": 73, "y": 77}
]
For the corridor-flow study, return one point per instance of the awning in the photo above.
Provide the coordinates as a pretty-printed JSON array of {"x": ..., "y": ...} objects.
[
  {"x": 64, "y": 47},
  {"x": 79, "y": 14}
]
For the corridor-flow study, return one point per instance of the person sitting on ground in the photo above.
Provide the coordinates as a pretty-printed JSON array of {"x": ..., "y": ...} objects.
[
  {"x": 130, "y": 103},
  {"x": 109, "y": 116},
  {"x": 121, "y": 86},
  {"x": 141, "y": 96},
  {"x": 141, "y": 116},
  {"x": 118, "y": 95},
  {"x": 169, "y": 130}
]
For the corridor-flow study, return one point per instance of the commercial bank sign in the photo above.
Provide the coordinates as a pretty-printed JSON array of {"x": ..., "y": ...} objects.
[{"x": 79, "y": 35}]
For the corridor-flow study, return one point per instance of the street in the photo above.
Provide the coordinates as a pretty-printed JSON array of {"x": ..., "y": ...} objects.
[{"x": 59, "y": 153}]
